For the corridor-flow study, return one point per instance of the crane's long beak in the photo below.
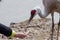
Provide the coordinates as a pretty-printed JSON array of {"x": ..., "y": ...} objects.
[{"x": 32, "y": 16}]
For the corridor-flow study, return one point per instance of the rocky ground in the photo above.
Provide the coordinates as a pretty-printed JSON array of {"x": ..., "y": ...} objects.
[{"x": 38, "y": 29}]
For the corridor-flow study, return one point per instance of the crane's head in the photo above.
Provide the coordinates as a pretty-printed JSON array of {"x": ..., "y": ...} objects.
[
  {"x": 33, "y": 13},
  {"x": 40, "y": 12}
]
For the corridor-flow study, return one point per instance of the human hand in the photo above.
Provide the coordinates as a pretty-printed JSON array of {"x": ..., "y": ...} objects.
[{"x": 20, "y": 35}]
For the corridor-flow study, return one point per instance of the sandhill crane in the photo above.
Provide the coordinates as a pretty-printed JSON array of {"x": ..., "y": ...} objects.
[{"x": 50, "y": 6}]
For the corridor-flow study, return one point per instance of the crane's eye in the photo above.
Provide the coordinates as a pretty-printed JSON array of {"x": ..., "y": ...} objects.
[{"x": 33, "y": 12}]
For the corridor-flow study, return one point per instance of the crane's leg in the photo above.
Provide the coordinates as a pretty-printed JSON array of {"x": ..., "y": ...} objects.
[
  {"x": 52, "y": 14},
  {"x": 58, "y": 27}
]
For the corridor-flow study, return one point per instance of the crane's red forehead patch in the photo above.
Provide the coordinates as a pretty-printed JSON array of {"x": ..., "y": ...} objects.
[{"x": 33, "y": 12}]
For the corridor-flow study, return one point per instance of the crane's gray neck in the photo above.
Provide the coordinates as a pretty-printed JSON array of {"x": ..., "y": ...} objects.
[{"x": 43, "y": 12}]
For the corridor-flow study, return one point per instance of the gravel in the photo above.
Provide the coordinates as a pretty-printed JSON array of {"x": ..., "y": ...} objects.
[{"x": 39, "y": 29}]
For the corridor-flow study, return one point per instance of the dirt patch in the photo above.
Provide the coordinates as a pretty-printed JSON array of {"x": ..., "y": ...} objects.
[{"x": 39, "y": 29}]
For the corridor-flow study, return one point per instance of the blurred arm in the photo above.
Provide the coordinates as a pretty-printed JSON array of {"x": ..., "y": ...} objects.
[{"x": 6, "y": 31}]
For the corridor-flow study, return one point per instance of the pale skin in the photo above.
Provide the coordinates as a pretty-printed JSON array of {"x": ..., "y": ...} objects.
[
  {"x": 19, "y": 35},
  {"x": 50, "y": 6}
]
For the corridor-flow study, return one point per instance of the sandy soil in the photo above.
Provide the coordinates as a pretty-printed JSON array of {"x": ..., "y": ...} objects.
[{"x": 39, "y": 29}]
